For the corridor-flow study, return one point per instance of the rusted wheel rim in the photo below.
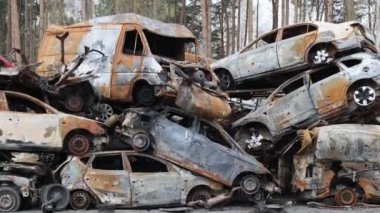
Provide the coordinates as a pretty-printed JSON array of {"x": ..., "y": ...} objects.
[
  {"x": 201, "y": 194},
  {"x": 74, "y": 103},
  {"x": 79, "y": 145},
  {"x": 7, "y": 201},
  {"x": 364, "y": 95},
  {"x": 250, "y": 184},
  {"x": 225, "y": 80},
  {"x": 346, "y": 197},
  {"x": 80, "y": 200}
]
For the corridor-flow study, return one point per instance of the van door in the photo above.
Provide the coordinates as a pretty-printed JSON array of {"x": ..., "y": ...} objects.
[{"x": 128, "y": 63}]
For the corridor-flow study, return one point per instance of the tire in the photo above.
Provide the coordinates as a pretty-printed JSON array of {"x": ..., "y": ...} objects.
[
  {"x": 10, "y": 200},
  {"x": 144, "y": 95},
  {"x": 346, "y": 197},
  {"x": 202, "y": 194},
  {"x": 78, "y": 144},
  {"x": 52, "y": 190},
  {"x": 74, "y": 102},
  {"x": 250, "y": 184},
  {"x": 226, "y": 80},
  {"x": 141, "y": 141},
  {"x": 80, "y": 200},
  {"x": 105, "y": 111}
]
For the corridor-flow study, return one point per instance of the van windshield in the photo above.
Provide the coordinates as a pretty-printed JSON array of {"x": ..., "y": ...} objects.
[{"x": 170, "y": 47}]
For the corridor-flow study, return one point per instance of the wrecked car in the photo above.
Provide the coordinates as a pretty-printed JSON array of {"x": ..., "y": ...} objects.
[
  {"x": 329, "y": 94},
  {"x": 130, "y": 179},
  {"x": 289, "y": 50},
  {"x": 197, "y": 145},
  {"x": 145, "y": 57},
  {"x": 22, "y": 183},
  {"x": 338, "y": 161},
  {"x": 28, "y": 124}
]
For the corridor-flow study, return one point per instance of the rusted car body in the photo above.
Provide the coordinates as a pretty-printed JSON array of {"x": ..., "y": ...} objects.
[
  {"x": 28, "y": 124},
  {"x": 197, "y": 145},
  {"x": 130, "y": 179},
  {"x": 339, "y": 160},
  {"x": 285, "y": 51},
  {"x": 145, "y": 57},
  {"x": 329, "y": 94}
]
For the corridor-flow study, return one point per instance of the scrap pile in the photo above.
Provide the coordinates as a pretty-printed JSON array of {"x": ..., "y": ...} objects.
[{"x": 116, "y": 113}]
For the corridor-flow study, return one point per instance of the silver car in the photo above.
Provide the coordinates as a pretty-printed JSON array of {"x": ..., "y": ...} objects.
[
  {"x": 130, "y": 179},
  {"x": 284, "y": 51},
  {"x": 328, "y": 93}
]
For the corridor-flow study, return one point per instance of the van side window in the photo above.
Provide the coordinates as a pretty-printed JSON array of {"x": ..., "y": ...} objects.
[{"x": 132, "y": 43}]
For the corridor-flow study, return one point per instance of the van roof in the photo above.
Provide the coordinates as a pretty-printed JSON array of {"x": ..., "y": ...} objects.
[{"x": 157, "y": 27}]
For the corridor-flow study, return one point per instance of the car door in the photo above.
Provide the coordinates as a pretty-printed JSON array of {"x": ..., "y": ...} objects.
[
  {"x": 108, "y": 178},
  {"x": 328, "y": 88},
  {"x": 29, "y": 124},
  {"x": 173, "y": 135},
  {"x": 296, "y": 107},
  {"x": 259, "y": 57},
  {"x": 128, "y": 62},
  {"x": 212, "y": 153},
  {"x": 295, "y": 41},
  {"x": 153, "y": 182}
]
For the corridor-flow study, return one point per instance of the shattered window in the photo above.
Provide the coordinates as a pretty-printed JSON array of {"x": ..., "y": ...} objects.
[
  {"x": 108, "y": 162},
  {"x": 297, "y": 30},
  {"x": 323, "y": 73},
  {"x": 182, "y": 120},
  {"x": 351, "y": 62},
  {"x": 18, "y": 104},
  {"x": 293, "y": 86},
  {"x": 266, "y": 39},
  {"x": 146, "y": 165},
  {"x": 132, "y": 43},
  {"x": 213, "y": 134}
]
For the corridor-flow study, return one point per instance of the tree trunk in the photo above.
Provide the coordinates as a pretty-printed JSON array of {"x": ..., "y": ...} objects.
[
  {"x": 329, "y": 9},
  {"x": 283, "y": 13},
  {"x": 250, "y": 20},
  {"x": 15, "y": 27},
  {"x": 287, "y": 12},
  {"x": 349, "y": 10},
  {"x": 183, "y": 12},
  {"x": 238, "y": 27},
  {"x": 377, "y": 24},
  {"x": 275, "y": 14},
  {"x": 221, "y": 25},
  {"x": 233, "y": 36},
  {"x": 257, "y": 18},
  {"x": 42, "y": 18},
  {"x": 369, "y": 16},
  {"x": 9, "y": 27},
  {"x": 227, "y": 20},
  {"x": 87, "y": 9},
  {"x": 206, "y": 26},
  {"x": 296, "y": 6}
]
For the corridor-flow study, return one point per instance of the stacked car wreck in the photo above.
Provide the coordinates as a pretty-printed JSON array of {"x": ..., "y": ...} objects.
[{"x": 146, "y": 123}]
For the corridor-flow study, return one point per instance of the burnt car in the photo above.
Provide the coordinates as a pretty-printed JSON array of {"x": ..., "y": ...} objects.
[
  {"x": 130, "y": 179},
  {"x": 195, "y": 144},
  {"x": 340, "y": 162},
  {"x": 333, "y": 94},
  {"x": 28, "y": 183},
  {"x": 145, "y": 58},
  {"x": 285, "y": 51},
  {"x": 28, "y": 124}
]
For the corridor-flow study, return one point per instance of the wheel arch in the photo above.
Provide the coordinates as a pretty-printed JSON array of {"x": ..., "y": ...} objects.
[
  {"x": 316, "y": 45},
  {"x": 194, "y": 189},
  {"x": 94, "y": 199}
]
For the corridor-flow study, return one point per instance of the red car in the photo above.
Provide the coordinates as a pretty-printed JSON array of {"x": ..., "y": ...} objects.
[{"x": 5, "y": 63}]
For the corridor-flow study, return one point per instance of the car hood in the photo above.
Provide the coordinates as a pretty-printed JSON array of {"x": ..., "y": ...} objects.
[{"x": 225, "y": 61}]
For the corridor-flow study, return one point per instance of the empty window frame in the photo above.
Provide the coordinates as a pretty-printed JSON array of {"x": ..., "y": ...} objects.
[
  {"x": 293, "y": 85},
  {"x": 264, "y": 40},
  {"x": 19, "y": 104},
  {"x": 143, "y": 164},
  {"x": 297, "y": 30},
  {"x": 108, "y": 162},
  {"x": 323, "y": 73},
  {"x": 213, "y": 134},
  {"x": 179, "y": 119},
  {"x": 351, "y": 62},
  {"x": 132, "y": 43}
]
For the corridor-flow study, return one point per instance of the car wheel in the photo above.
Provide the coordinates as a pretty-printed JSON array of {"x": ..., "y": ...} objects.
[
  {"x": 78, "y": 144},
  {"x": 322, "y": 54},
  {"x": 105, "y": 111},
  {"x": 346, "y": 197},
  {"x": 58, "y": 193},
  {"x": 10, "y": 200},
  {"x": 364, "y": 95},
  {"x": 80, "y": 200},
  {"x": 144, "y": 95},
  {"x": 74, "y": 102},
  {"x": 202, "y": 194},
  {"x": 250, "y": 184},
  {"x": 141, "y": 141},
  {"x": 252, "y": 139},
  {"x": 225, "y": 79}
]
